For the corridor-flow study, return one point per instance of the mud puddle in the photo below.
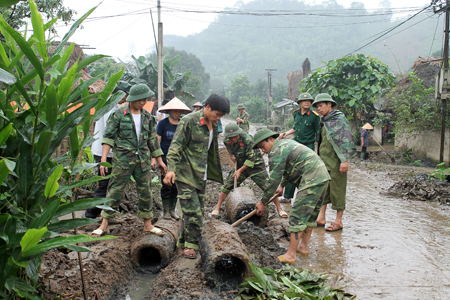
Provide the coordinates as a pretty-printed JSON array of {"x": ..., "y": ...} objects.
[
  {"x": 142, "y": 287},
  {"x": 390, "y": 248}
]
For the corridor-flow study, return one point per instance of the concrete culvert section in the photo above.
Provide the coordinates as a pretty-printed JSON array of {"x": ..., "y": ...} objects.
[
  {"x": 224, "y": 256},
  {"x": 242, "y": 201},
  {"x": 152, "y": 253}
]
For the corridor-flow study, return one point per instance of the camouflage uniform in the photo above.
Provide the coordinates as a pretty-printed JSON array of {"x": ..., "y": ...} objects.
[
  {"x": 245, "y": 155},
  {"x": 291, "y": 162},
  {"x": 188, "y": 157},
  {"x": 306, "y": 133},
  {"x": 335, "y": 147},
  {"x": 130, "y": 158},
  {"x": 244, "y": 125}
]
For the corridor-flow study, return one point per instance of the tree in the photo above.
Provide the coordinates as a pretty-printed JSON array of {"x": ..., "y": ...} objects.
[
  {"x": 39, "y": 107},
  {"x": 355, "y": 83},
  {"x": 106, "y": 66},
  {"x": 19, "y": 14},
  {"x": 240, "y": 88}
]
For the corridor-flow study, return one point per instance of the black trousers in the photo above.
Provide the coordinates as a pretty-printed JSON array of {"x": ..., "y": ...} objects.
[{"x": 100, "y": 191}]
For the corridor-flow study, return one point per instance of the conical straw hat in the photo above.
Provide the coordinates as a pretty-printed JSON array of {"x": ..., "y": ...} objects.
[
  {"x": 367, "y": 126},
  {"x": 197, "y": 104},
  {"x": 174, "y": 104}
]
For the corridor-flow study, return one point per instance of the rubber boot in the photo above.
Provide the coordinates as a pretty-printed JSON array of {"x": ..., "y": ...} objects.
[
  {"x": 172, "y": 205},
  {"x": 166, "y": 208},
  {"x": 362, "y": 156}
]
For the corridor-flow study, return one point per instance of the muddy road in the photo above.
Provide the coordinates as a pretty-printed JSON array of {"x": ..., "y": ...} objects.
[{"x": 390, "y": 248}]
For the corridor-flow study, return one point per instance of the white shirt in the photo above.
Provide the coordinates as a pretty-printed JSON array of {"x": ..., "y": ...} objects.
[
  {"x": 137, "y": 124},
  {"x": 211, "y": 136},
  {"x": 99, "y": 130}
]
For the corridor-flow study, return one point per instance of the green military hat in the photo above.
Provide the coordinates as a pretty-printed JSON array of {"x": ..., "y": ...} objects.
[
  {"x": 232, "y": 130},
  {"x": 305, "y": 96},
  {"x": 240, "y": 106},
  {"x": 262, "y": 135},
  {"x": 123, "y": 86},
  {"x": 324, "y": 97},
  {"x": 138, "y": 92}
]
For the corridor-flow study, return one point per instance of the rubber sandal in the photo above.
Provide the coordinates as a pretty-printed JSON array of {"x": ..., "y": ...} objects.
[
  {"x": 283, "y": 214},
  {"x": 334, "y": 227},
  {"x": 215, "y": 213},
  {"x": 284, "y": 260},
  {"x": 302, "y": 253},
  {"x": 156, "y": 231},
  {"x": 98, "y": 232},
  {"x": 190, "y": 256}
]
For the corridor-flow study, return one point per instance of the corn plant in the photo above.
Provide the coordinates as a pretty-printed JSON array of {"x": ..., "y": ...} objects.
[{"x": 37, "y": 92}]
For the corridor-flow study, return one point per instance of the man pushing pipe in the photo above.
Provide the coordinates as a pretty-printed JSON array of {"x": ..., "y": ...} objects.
[{"x": 291, "y": 162}]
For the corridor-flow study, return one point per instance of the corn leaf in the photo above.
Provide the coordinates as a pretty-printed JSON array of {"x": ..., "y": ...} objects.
[{"x": 52, "y": 183}]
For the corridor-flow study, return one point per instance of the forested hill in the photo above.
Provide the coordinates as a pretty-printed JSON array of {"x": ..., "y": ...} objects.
[{"x": 251, "y": 39}]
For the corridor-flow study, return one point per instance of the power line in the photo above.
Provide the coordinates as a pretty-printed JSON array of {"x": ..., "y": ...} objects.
[{"x": 432, "y": 43}]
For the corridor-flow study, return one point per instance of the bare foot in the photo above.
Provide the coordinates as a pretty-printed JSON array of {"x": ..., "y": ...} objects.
[
  {"x": 148, "y": 225},
  {"x": 287, "y": 259},
  {"x": 302, "y": 249}
]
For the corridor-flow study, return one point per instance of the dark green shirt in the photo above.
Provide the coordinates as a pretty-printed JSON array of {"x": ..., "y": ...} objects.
[{"x": 306, "y": 126}]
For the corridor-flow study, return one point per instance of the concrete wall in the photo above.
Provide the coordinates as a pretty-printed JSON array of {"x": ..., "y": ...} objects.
[{"x": 426, "y": 144}]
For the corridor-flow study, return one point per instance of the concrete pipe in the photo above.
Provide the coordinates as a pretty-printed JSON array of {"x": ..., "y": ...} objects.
[
  {"x": 224, "y": 256},
  {"x": 152, "y": 253},
  {"x": 242, "y": 201}
]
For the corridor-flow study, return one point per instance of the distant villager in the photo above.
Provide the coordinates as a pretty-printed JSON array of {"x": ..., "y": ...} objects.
[{"x": 306, "y": 68}]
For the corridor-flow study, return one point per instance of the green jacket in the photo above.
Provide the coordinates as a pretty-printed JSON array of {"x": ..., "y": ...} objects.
[
  {"x": 291, "y": 162},
  {"x": 120, "y": 134},
  {"x": 188, "y": 152},
  {"x": 245, "y": 125},
  {"x": 306, "y": 126},
  {"x": 243, "y": 151},
  {"x": 336, "y": 130}
]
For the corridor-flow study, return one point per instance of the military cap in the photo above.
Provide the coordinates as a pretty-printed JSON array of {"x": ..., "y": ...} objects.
[
  {"x": 240, "y": 106},
  {"x": 138, "y": 92},
  {"x": 305, "y": 96},
  {"x": 324, "y": 97},
  {"x": 123, "y": 86},
  {"x": 263, "y": 134},
  {"x": 232, "y": 130}
]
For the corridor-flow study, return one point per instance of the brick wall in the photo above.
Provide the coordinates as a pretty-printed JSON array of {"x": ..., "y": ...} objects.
[{"x": 426, "y": 144}]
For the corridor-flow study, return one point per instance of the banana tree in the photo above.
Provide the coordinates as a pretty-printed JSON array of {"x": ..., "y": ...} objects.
[
  {"x": 145, "y": 71},
  {"x": 39, "y": 108}
]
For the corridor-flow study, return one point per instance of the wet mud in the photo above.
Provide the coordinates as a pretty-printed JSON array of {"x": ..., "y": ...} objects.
[
  {"x": 242, "y": 201},
  {"x": 391, "y": 247}
]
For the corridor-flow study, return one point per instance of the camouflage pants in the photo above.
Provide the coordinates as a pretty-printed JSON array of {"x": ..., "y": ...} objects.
[
  {"x": 192, "y": 202},
  {"x": 117, "y": 185},
  {"x": 289, "y": 190},
  {"x": 258, "y": 174},
  {"x": 306, "y": 208}
]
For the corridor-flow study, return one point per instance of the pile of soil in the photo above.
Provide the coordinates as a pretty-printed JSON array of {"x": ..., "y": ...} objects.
[{"x": 422, "y": 187}]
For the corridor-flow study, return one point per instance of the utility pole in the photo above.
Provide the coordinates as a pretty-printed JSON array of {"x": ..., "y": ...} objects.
[
  {"x": 160, "y": 57},
  {"x": 269, "y": 91},
  {"x": 443, "y": 89}
]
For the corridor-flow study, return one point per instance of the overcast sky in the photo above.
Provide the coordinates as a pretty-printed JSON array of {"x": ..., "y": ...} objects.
[{"x": 133, "y": 34}]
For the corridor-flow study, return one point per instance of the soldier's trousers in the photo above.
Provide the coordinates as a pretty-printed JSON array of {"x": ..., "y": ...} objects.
[
  {"x": 192, "y": 202},
  {"x": 117, "y": 185},
  {"x": 306, "y": 208},
  {"x": 258, "y": 174},
  {"x": 336, "y": 191},
  {"x": 289, "y": 190}
]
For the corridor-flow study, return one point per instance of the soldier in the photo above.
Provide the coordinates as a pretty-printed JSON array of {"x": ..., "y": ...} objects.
[
  {"x": 336, "y": 147},
  {"x": 193, "y": 158},
  {"x": 249, "y": 162},
  {"x": 130, "y": 131},
  {"x": 96, "y": 148},
  {"x": 306, "y": 129},
  {"x": 291, "y": 162},
  {"x": 242, "y": 119},
  {"x": 197, "y": 106}
]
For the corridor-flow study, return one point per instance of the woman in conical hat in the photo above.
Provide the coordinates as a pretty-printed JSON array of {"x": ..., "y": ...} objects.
[
  {"x": 165, "y": 130},
  {"x": 365, "y": 139},
  {"x": 197, "y": 106}
]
